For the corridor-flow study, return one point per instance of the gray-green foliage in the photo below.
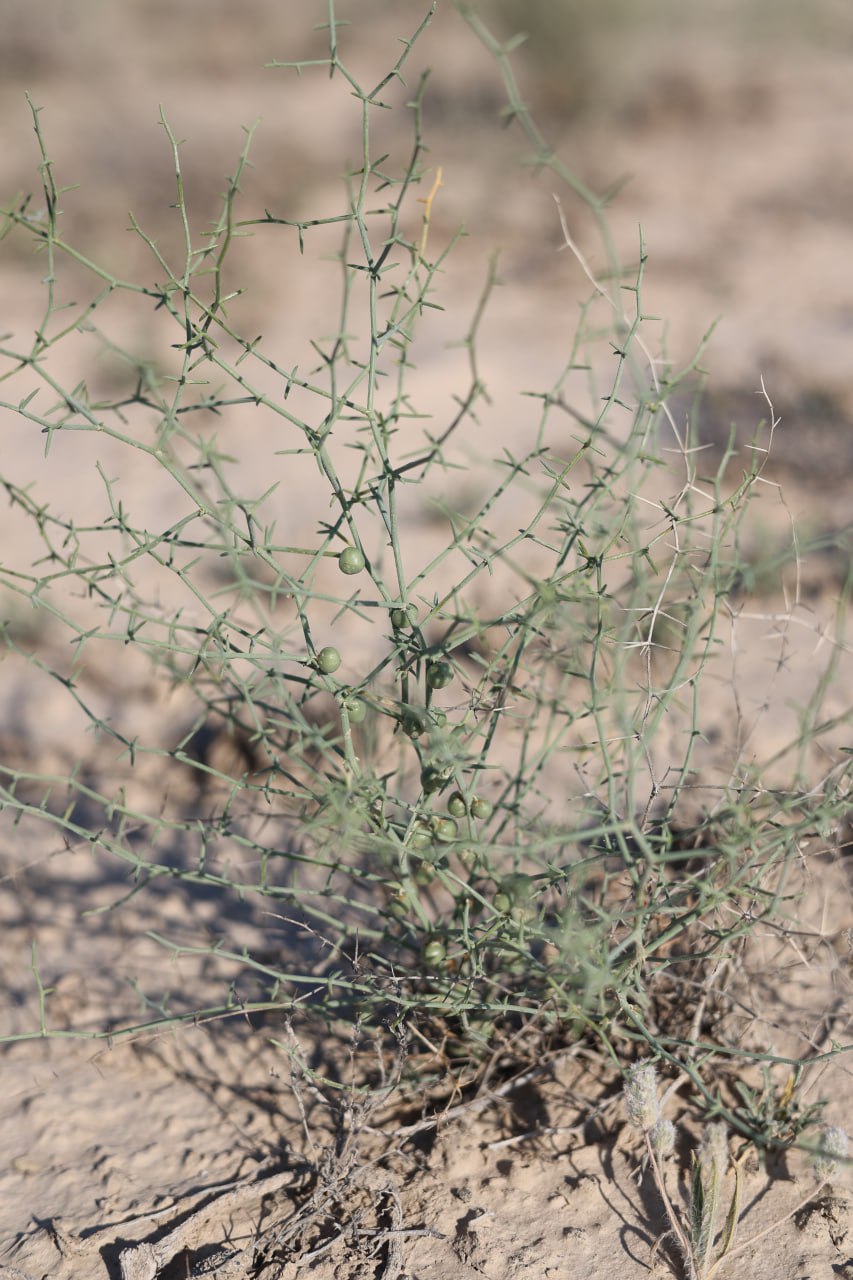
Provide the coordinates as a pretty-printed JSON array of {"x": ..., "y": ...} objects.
[{"x": 459, "y": 794}]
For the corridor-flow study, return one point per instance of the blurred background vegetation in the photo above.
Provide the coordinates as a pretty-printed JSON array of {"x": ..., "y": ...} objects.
[
  {"x": 99, "y": 68},
  {"x": 593, "y": 57},
  {"x": 729, "y": 119}
]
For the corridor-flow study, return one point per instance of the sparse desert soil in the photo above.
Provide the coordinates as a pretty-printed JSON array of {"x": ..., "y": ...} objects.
[{"x": 189, "y": 1142}]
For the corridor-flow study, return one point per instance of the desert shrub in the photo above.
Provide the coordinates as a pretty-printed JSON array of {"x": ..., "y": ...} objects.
[{"x": 430, "y": 716}]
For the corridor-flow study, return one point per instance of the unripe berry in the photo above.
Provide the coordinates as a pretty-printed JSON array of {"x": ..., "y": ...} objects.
[
  {"x": 350, "y": 561},
  {"x": 439, "y": 675},
  {"x": 328, "y": 660},
  {"x": 456, "y": 805},
  {"x": 481, "y": 809}
]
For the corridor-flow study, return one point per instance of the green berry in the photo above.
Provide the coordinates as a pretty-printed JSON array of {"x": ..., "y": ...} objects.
[
  {"x": 521, "y": 888},
  {"x": 481, "y": 809},
  {"x": 518, "y": 891},
  {"x": 328, "y": 660},
  {"x": 432, "y": 779},
  {"x": 404, "y": 617},
  {"x": 434, "y": 952},
  {"x": 356, "y": 709},
  {"x": 350, "y": 561},
  {"x": 456, "y": 805},
  {"x": 420, "y": 837},
  {"x": 424, "y": 874},
  {"x": 439, "y": 675},
  {"x": 398, "y": 906},
  {"x": 413, "y": 722},
  {"x": 445, "y": 829}
]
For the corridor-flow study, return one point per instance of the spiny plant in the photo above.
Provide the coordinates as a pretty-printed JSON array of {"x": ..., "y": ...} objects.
[{"x": 462, "y": 769}]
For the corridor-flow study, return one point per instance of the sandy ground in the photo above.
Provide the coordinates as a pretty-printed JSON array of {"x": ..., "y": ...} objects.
[
  {"x": 181, "y": 1150},
  {"x": 164, "y": 1158}
]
